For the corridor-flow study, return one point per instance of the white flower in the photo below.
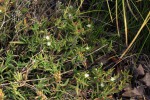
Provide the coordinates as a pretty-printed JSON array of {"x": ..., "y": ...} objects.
[
  {"x": 47, "y": 37},
  {"x": 59, "y": 3},
  {"x": 18, "y": 13},
  {"x": 0, "y": 10},
  {"x": 102, "y": 64},
  {"x": 87, "y": 48},
  {"x": 48, "y": 43},
  {"x": 34, "y": 61},
  {"x": 89, "y": 25},
  {"x": 112, "y": 79},
  {"x": 70, "y": 7},
  {"x": 102, "y": 85},
  {"x": 70, "y": 16},
  {"x": 86, "y": 75}
]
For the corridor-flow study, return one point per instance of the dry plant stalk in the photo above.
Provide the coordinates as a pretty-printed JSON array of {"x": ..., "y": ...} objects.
[
  {"x": 125, "y": 22},
  {"x": 142, "y": 26}
]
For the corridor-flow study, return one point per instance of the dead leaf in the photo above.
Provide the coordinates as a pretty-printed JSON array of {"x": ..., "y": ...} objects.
[
  {"x": 1, "y": 94},
  {"x": 139, "y": 90},
  {"x": 128, "y": 87},
  {"x": 96, "y": 99},
  {"x": 129, "y": 92},
  {"x": 146, "y": 79},
  {"x": 140, "y": 70},
  {"x": 1, "y": 1}
]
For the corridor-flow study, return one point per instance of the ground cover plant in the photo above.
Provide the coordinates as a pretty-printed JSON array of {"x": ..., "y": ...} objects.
[{"x": 73, "y": 49}]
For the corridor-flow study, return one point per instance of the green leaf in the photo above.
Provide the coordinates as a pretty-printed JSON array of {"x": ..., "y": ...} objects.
[{"x": 65, "y": 83}]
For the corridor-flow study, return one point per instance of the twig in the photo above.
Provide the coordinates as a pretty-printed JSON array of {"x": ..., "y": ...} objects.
[{"x": 97, "y": 49}]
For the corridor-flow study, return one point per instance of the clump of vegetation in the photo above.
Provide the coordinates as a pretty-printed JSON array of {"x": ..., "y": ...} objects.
[{"x": 50, "y": 50}]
